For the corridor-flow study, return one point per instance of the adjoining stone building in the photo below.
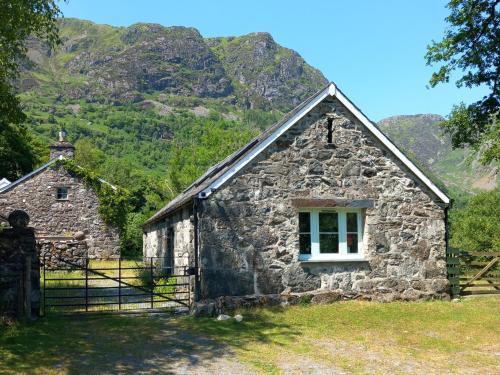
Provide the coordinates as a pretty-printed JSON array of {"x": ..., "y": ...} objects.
[
  {"x": 64, "y": 211},
  {"x": 320, "y": 200}
]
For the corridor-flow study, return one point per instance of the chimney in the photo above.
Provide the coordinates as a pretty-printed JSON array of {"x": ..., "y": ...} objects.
[{"x": 62, "y": 148}]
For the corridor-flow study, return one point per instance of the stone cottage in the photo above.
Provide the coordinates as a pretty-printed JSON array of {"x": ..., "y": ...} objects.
[
  {"x": 320, "y": 200},
  {"x": 63, "y": 210}
]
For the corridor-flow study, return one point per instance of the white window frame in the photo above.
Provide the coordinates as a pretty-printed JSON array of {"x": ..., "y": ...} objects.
[
  {"x": 342, "y": 255},
  {"x": 57, "y": 193}
]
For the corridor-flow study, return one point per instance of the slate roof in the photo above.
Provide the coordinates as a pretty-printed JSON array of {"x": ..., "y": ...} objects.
[{"x": 200, "y": 186}]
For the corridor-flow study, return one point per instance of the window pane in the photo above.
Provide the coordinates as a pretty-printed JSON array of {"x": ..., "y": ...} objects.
[
  {"x": 352, "y": 243},
  {"x": 328, "y": 222},
  {"x": 304, "y": 222},
  {"x": 305, "y": 243},
  {"x": 352, "y": 222},
  {"x": 329, "y": 243},
  {"x": 62, "y": 193}
]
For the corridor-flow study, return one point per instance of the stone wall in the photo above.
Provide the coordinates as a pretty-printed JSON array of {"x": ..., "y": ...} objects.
[
  {"x": 15, "y": 246},
  {"x": 62, "y": 254},
  {"x": 249, "y": 228},
  {"x": 37, "y": 196},
  {"x": 155, "y": 240}
]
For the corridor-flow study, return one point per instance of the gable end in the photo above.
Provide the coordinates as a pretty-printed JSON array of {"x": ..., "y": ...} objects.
[{"x": 332, "y": 91}]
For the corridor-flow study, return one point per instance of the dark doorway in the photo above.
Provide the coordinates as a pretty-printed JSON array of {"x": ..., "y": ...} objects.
[{"x": 169, "y": 255}]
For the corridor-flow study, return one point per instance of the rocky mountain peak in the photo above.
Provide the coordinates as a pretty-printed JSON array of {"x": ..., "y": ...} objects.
[{"x": 122, "y": 64}]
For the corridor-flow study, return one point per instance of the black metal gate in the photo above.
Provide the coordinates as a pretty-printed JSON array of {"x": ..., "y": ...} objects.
[{"x": 95, "y": 285}]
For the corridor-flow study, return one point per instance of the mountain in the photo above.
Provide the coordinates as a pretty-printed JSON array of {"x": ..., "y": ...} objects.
[
  {"x": 152, "y": 103},
  {"x": 118, "y": 65},
  {"x": 421, "y": 137}
]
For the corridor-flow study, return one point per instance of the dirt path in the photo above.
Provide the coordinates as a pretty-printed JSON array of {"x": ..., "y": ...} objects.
[
  {"x": 178, "y": 352},
  {"x": 186, "y": 354}
]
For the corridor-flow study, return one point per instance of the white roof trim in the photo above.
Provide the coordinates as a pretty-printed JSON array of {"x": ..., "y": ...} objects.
[{"x": 331, "y": 90}]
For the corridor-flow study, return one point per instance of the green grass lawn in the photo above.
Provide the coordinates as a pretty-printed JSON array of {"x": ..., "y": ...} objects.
[{"x": 354, "y": 337}]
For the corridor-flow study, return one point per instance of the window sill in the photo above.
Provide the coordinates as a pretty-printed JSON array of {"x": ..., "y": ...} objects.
[{"x": 332, "y": 260}]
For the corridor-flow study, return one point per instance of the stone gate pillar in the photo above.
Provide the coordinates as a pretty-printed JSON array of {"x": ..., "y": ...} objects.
[{"x": 19, "y": 269}]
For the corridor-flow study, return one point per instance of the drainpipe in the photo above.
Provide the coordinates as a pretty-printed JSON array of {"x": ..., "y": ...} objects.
[
  {"x": 446, "y": 224},
  {"x": 446, "y": 227}
]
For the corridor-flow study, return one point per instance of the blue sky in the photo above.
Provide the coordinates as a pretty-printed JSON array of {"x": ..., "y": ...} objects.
[{"x": 373, "y": 49}]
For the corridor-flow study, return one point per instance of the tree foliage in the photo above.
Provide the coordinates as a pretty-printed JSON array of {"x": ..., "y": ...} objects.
[
  {"x": 206, "y": 145},
  {"x": 19, "y": 19},
  {"x": 19, "y": 151},
  {"x": 114, "y": 202},
  {"x": 471, "y": 45},
  {"x": 476, "y": 227}
]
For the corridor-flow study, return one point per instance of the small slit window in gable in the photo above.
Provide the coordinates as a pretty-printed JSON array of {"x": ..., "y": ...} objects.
[
  {"x": 62, "y": 194},
  {"x": 329, "y": 138}
]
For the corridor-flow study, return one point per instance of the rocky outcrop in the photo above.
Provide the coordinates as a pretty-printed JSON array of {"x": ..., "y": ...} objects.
[
  {"x": 118, "y": 65},
  {"x": 425, "y": 142},
  {"x": 266, "y": 73},
  {"x": 174, "y": 60}
]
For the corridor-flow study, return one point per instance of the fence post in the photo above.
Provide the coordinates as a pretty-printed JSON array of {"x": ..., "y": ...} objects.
[
  {"x": 86, "y": 284},
  {"x": 453, "y": 269},
  {"x": 152, "y": 281},
  {"x": 120, "y": 283}
]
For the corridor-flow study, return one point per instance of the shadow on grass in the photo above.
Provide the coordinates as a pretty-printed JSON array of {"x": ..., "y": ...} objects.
[{"x": 128, "y": 344}]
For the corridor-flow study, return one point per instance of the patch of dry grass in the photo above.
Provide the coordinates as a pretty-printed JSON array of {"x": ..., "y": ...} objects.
[
  {"x": 347, "y": 337},
  {"x": 364, "y": 337}
]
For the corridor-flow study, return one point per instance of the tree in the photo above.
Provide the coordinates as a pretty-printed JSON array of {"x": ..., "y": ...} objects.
[
  {"x": 476, "y": 227},
  {"x": 19, "y": 19},
  {"x": 208, "y": 143},
  {"x": 88, "y": 156},
  {"x": 471, "y": 45},
  {"x": 18, "y": 152}
]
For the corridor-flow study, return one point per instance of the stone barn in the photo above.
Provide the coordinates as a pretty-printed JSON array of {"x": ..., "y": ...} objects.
[
  {"x": 63, "y": 210},
  {"x": 322, "y": 200}
]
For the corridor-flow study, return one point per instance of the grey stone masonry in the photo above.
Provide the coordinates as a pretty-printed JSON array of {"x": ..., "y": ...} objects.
[
  {"x": 19, "y": 285},
  {"x": 50, "y": 216},
  {"x": 249, "y": 241},
  {"x": 156, "y": 239},
  {"x": 63, "y": 253}
]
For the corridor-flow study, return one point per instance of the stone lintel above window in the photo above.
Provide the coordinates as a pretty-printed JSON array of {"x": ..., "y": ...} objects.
[{"x": 332, "y": 202}]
